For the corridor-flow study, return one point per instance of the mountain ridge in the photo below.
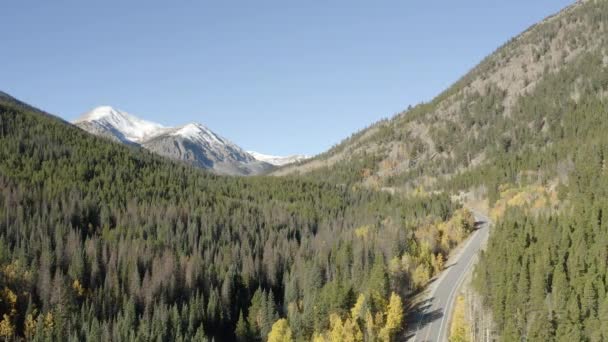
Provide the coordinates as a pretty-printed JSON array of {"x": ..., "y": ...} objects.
[
  {"x": 193, "y": 143},
  {"x": 279, "y": 160},
  {"x": 457, "y": 130}
]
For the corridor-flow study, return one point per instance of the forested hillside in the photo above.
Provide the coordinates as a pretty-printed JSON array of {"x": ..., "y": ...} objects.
[
  {"x": 545, "y": 272},
  {"x": 525, "y": 130},
  {"x": 486, "y": 115},
  {"x": 100, "y": 241}
]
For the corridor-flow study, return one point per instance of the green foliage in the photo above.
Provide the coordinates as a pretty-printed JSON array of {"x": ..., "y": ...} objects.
[
  {"x": 100, "y": 241},
  {"x": 544, "y": 277},
  {"x": 113, "y": 242},
  {"x": 242, "y": 329}
]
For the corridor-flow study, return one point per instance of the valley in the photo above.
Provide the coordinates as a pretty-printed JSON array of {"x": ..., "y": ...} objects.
[{"x": 116, "y": 228}]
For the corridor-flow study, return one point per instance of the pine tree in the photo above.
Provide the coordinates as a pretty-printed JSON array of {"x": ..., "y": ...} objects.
[
  {"x": 255, "y": 315},
  {"x": 541, "y": 328},
  {"x": 242, "y": 330}
]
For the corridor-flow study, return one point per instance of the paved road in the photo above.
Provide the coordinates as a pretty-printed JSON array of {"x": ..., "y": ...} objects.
[{"x": 431, "y": 320}]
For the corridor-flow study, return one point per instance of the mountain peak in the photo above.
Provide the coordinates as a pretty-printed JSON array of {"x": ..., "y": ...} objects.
[
  {"x": 200, "y": 133},
  {"x": 100, "y": 112},
  {"x": 193, "y": 143},
  {"x": 131, "y": 127}
]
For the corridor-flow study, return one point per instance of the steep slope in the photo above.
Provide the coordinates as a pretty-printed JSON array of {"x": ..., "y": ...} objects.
[
  {"x": 466, "y": 125},
  {"x": 278, "y": 160},
  {"x": 193, "y": 143}
]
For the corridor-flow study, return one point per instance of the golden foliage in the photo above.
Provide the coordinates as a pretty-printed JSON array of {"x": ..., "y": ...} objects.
[
  {"x": 459, "y": 330},
  {"x": 421, "y": 276},
  {"x": 357, "y": 311},
  {"x": 454, "y": 231},
  {"x": 352, "y": 330},
  {"x": 532, "y": 197},
  {"x": 9, "y": 297},
  {"x": 394, "y": 318},
  {"x": 281, "y": 332},
  {"x": 15, "y": 272},
  {"x": 7, "y": 330},
  {"x": 438, "y": 263},
  {"x": 29, "y": 326},
  {"x": 347, "y": 331},
  {"x": 336, "y": 330},
  {"x": 49, "y": 322},
  {"x": 78, "y": 288},
  {"x": 406, "y": 262},
  {"x": 362, "y": 232},
  {"x": 318, "y": 338},
  {"x": 370, "y": 325},
  {"x": 394, "y": 266}
]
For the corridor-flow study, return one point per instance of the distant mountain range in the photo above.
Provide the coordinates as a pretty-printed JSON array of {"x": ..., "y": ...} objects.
[
  {"x": 193, "y": 143},
  {"x": 278, "y": 160}
]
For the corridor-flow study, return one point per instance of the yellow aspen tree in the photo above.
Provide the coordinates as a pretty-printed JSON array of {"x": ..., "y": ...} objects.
[
  {"x": 459, "y": 330},
  {"x": 29, "y": 326},
  {"x": 318, "y": 338},
  {"x": 379, "y": 319},
  {"x": 394, "y": 318},
  {"x": 438, "y": 263},
  {"x": 394, "y": 266},
  {"x": 280, "y": 332},
  {"x": 356, "y": 311},
  {"x": 49, "y": 322},
  {"x": 78, "y": 288},
  {"x": 7, "y": 330},
  {"x": 370, "y": 327},
  {"x": 11, "y": 298},
  {"x": 406, "y": 262},
  {"x": 422, "y": 275},
  {"x": 352, "y": 332},
  {"x": 336, "y": 328}
]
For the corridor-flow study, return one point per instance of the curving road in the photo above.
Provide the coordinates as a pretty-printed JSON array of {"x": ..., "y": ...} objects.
[{"x": 431, "y": 318}]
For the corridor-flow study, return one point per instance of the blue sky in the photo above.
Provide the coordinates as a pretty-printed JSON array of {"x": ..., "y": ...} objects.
[{"x": 278, "y": 77}]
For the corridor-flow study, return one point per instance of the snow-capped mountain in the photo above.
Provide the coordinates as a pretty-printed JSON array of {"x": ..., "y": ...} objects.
[
  {"x": 107, "y": 121},
  {"x": 278, "y": 160},
  {"x": 193, "y": 143}
]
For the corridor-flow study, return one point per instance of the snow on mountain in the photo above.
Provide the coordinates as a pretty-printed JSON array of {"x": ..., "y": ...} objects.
[
  {"x": 201, "y": 133},
  {"x": 122, "y": 124},
  {"x": 278, "y": 160},
  {"x": 193, "y": 143}
]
